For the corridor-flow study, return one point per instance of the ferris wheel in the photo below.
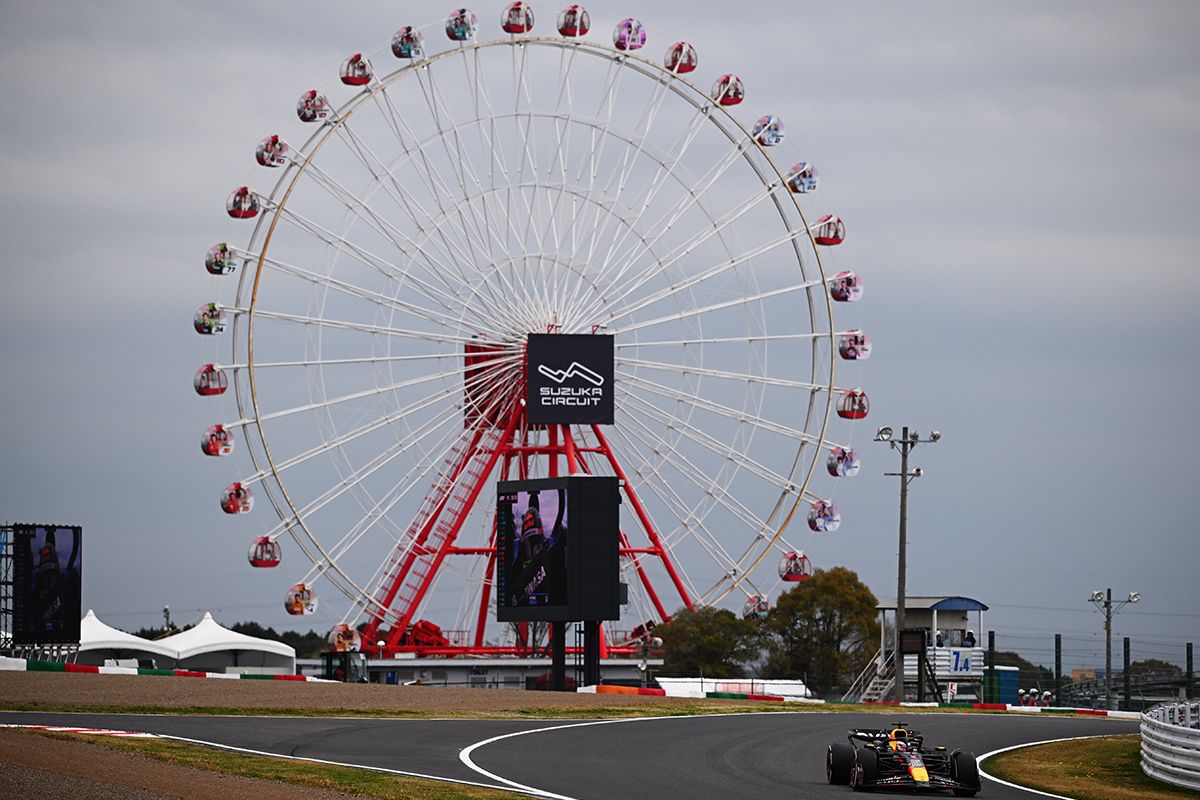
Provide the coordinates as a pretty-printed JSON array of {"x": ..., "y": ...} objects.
[{"x": 450, "y": 196}]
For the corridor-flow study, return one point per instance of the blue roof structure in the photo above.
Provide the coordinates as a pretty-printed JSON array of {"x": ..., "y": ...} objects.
[{"x": 955, "y": 603}]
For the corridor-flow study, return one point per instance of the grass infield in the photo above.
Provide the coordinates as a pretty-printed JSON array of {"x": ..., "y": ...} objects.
[{"x": 1107, "y": 768}]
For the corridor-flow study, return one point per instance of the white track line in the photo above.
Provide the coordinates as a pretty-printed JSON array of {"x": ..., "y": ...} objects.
[
  {"x": 332, "y": 763},
  {"x": 465, "y": 755},
  {"x": 981, "y": 758},
  {"x": 248, "y": 751}
]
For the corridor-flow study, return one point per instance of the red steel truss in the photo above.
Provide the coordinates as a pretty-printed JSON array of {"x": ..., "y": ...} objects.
[{"x": 495, "y": 442}]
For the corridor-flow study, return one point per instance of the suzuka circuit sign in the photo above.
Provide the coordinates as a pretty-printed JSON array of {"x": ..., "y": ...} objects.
[{"x": 570, "y": 379}]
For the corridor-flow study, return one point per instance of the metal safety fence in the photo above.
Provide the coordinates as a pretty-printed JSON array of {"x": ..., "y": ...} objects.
[{"x": 1171, "y": 744}]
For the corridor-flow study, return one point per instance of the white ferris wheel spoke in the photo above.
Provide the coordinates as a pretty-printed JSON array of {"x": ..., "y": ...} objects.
[
  {"x": 431, "y": 456},
  {"x": 491, "y": 151},
  {"x": 404, "y": 199},
  {"x": 330, "y": 555},
  {"x": 688, "y": 246},
  {"x": 413, "y": 479},
  {"x": 330, "y": 362},
  {"x": 361, "y": 209},
  {"x": 385, "y": 330},
  {"x": 486, "y": 235},
  {"x": 372, "y": 260},
  {"x": 382, "y": 300},
  {"x": 356, "y": 433},
  {"x": 433, "y": 180},
  {"x": 686, "y": 202},
  {"x": 629, "y": 157},
  {"x": 708, "y": 274},
  {"x": 740, "y": 377},
  {"x": 664, "y": 172},
  {"x": 565, "y": 62},
  {"x": 730, "y": 454},
  {"x": 691, "y": 524},
  {"x": 738, "y": 415},
  {"x": 598, "y": 139},
  {"x": 489, "y": 140},
  {"x": 748, "y": 339},
  {"x": 381, "y": 225},
  {"x": 345, "y": 398}
]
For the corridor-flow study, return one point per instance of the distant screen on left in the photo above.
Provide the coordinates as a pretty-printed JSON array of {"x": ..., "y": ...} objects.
[{"x": 47, "y": 597}]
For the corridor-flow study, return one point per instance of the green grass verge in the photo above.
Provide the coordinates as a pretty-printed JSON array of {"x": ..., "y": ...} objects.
[
  {"x": 1107, "y": 768},
  {"x": 349, "y": 780},
  {"x": 659, "y": 708}
]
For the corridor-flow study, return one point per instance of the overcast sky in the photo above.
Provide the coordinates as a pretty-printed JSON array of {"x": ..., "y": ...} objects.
[{"x": 1020, "y": 181}]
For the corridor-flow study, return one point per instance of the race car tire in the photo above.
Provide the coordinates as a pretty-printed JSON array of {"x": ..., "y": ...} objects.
[
  {"x": 866, "y": 769},
  {"x": 839, "y": 759},
  {"x": 964, "y": 770}
]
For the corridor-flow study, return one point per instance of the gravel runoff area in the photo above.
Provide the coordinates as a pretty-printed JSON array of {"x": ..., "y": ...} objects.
[{"x": 38, "y": 766}]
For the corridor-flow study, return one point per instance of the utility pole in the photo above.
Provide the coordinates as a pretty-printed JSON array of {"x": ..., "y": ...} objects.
[
  {"x": 905, "y": 445},
  {"x": 1104, "y": 602}
]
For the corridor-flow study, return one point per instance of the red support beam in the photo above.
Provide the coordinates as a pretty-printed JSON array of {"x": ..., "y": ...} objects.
[
  {"x": 378, "y": 616},
  {"x": 631, "y": 493},
  {"x": 455, "y": 526},
  {"x": 517, "y": 450}
]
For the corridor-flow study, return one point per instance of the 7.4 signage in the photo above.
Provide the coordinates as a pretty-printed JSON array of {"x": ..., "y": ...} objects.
[{"x": 570, "y": 379}]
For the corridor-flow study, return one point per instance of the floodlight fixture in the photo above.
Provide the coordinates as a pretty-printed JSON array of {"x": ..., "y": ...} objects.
[
  {"x": 935, "y": 435},
  {"x": 884, "y": 434},
  {"x": 1135, "y": 597}
]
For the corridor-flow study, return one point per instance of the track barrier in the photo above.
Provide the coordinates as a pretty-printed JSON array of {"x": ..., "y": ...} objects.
[{"x": 1171, "y": 744}]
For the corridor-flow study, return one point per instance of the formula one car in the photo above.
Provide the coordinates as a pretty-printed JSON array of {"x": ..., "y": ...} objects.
[{"x": 898, "y": 758}]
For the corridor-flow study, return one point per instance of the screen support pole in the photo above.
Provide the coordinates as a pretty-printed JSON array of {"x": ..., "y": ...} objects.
[
  {"x": 591, "y": 652},
  {"x": 558, "y": 656}
]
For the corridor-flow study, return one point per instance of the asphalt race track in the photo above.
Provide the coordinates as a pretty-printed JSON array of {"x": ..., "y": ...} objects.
[{"x": 730, "y": 756}]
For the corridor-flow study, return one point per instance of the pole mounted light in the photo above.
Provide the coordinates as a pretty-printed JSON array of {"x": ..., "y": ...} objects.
[
  {"x": 1102, "y": 600},
  {"x": 905, "y": 444}
]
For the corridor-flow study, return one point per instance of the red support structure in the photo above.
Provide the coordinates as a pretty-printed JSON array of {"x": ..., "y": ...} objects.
[
  {"x": 655, "y": 542},
  {"x": 401, "y": 595}
]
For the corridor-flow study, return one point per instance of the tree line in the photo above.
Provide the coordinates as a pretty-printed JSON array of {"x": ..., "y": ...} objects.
[{"x": 821, "y": 631}]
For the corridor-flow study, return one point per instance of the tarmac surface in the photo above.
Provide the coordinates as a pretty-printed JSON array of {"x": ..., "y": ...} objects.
[{"x": 764, "y": 755}]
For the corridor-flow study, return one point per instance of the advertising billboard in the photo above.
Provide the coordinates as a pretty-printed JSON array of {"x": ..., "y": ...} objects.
[
  {"x": 569, "y": 379},
  {"x": 557, "y": 549},
  {"x": 47, "y": 597}
]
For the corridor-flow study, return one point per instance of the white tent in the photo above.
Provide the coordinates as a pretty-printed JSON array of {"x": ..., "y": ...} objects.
[
  {"x": 210, "y": 647},
  {"x": 99, "y": 642}
]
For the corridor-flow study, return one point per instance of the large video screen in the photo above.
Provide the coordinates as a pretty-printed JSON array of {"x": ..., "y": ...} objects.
[
  {"x": 557, "y": 549},
  {"x": 533, "y": 548},
  {"x": 47, "y": 596}
]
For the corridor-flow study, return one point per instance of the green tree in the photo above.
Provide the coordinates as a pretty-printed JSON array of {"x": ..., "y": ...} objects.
[
  {"x": 821, "y": 630},
  {"x": 708, "y": 642}
]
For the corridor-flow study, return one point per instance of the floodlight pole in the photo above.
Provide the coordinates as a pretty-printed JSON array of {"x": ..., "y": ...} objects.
[
  {"x": 905, "y": 445},
  {"x": 1104, "y": 602}
]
